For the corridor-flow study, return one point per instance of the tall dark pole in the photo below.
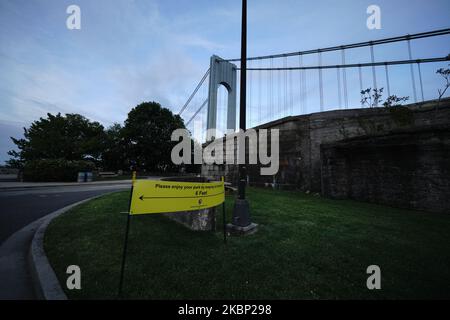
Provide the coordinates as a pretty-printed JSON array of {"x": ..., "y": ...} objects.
[
  {"x": 241, "y": 222},
  {"x": 125, "y": 243},
  {"x": 243, "y": 97}
]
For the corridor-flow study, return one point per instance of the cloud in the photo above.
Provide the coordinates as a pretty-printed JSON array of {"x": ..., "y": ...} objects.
[
  {"x": 167, "y": 78},
  {"x": 129, "y": 51},
  {"x": 197, "y": 41},
  {"x": 128, "y": 54}
]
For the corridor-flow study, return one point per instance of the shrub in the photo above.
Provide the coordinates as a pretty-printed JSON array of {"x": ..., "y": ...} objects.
[
  {"x": 55, "y": 170},
  {"x": 372, "y": 98}
]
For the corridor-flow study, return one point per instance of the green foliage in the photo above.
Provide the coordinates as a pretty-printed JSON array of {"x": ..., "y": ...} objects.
[
  {"x": 115, "y": 155},
  {"x": 393, "y": 101},
  {"x": 55, "y": 169},
  {"x": 372, "y": 98},
  {"x": 147, "y": 130},
  {"x": 70, "y": 137},
  {"x": 144, "y": 140},
  {"x": 444, "y": 73}
]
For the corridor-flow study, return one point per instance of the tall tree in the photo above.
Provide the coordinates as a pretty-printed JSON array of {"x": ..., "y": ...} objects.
[
  {"x": 148, "y": 129},
  {"x": 69, "y": 137},
  {"x": 115, "y": 156}
]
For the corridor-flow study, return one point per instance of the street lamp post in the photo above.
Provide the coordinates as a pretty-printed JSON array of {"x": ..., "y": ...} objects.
[
  {"x": 241, "y": 221},
  {"x": 243, "y": 95}
]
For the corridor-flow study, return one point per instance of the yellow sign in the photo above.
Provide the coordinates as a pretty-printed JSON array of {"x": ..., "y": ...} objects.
[{"x": 154, "y": 196}]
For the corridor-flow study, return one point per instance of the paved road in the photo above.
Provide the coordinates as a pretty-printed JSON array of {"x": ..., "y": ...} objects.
[{"x": 19, "y": 208}]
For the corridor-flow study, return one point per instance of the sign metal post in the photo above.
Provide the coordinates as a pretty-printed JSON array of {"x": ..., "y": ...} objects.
[
  {"x": 224, "y": 224},
  {"x": 149, "y": 197},
  {"x": 125, "y": 245}
]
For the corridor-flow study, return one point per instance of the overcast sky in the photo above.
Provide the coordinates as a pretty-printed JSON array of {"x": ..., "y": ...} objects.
[{"x": 132, "y": 51}]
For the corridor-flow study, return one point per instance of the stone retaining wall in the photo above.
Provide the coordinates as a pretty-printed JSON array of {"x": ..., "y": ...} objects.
[
  {"x": 198, "y": 220},
  {"x": 404, "y": 169},
  {"x": 301, "y": 138}
]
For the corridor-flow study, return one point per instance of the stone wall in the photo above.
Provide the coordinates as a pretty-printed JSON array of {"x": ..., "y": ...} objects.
[
  {"x": 301, "y": 138},
  {"x": 198, "y": 220},
  {"x": 409, "y": 169}
]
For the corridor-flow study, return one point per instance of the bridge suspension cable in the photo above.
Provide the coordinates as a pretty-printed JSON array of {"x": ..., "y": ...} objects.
[
  {"x": 194, "y": 92},
  {"x": 413, "y": 79},
  {"x": 355, "y": 65},
  {"x": 374, "y": 74},
  {"x": 344, "y": 78},
  {"x": 320, "y": 80},
  {"x": 387, "y": 80},
  {"x": 353, "y": 45},
  {"x": 196, "y": 113},
  {"x": 420, "y": 81},
  {"x": 274, "y": 92}
]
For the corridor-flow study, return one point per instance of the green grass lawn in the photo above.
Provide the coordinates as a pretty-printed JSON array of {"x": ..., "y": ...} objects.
[{"x": 307, "y": 247}]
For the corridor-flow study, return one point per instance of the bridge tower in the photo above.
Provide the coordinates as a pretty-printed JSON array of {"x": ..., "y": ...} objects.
[{"x": 223, "y": 73}]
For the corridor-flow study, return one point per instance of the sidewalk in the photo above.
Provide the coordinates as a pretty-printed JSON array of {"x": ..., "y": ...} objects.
[{"x": 4, "y": 185}]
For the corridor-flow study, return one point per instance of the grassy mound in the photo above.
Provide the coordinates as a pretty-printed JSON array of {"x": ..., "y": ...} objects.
[{"x": 307, "y": 247}]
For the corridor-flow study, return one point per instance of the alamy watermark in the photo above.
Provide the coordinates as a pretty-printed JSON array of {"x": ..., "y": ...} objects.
[
  {"x": 73, "y": 21},
  {"x": 231, "y": 149},
  {"x": 374, "y": 20},
  {"x": 74, "y": 280},
  {"x": 374, "y": 280}
]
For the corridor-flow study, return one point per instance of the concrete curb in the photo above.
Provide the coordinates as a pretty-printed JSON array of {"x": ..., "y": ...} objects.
[{"x": 45, "y": 282}]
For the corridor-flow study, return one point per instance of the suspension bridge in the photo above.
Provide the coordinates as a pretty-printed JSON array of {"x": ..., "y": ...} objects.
[{"x": 324, "y": 79}]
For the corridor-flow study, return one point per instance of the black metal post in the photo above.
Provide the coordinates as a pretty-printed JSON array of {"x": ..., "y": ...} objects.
[
  {"x": 125, "y": 245},
  {"x": 241, "y": 221},
  {"x": 243, "y": 95},
  {"x": 224, "y": 224}
]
